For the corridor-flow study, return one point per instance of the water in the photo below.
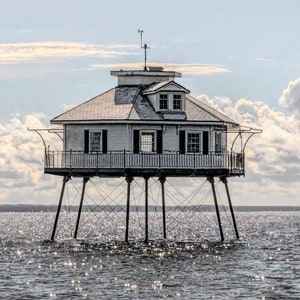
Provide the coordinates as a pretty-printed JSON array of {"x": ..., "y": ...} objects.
[{"x": 263, "y": 264}]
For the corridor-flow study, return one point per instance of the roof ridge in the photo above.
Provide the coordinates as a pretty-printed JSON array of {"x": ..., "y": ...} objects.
[{"x": 133, "y": 102}]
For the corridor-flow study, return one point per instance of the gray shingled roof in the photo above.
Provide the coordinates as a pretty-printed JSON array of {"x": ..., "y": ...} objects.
[{"x": 124, "y": 103}]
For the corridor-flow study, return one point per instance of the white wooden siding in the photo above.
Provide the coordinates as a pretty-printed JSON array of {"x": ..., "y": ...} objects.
[{"x": 120, "y": 137}]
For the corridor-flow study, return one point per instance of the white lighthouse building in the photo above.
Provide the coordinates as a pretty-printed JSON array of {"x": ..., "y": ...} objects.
[{"x": 146, "y": 126}]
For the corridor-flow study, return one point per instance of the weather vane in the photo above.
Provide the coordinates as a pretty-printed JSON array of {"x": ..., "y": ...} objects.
[{"x": 145, "y": 47}]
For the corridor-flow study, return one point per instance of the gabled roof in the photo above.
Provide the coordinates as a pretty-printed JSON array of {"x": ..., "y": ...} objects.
[{"x": 128, "y": 103}]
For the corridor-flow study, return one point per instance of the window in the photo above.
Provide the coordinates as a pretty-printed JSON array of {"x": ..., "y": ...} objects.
[
  {"x": 147, "y": 142},
  {"x": 177, "y": 103},
  {"x": 219, "y": 147},
  {"x": 193, "y": 142},
  {"x": 95, "y": 141},
  {"x": 163, "y": 102}
]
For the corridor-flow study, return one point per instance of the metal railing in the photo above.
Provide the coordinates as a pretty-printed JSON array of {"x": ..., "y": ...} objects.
[{"x": 127, "y": 160}]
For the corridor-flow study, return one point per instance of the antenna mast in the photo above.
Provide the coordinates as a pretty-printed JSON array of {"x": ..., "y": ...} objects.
[{"x": 145, "y": 47}]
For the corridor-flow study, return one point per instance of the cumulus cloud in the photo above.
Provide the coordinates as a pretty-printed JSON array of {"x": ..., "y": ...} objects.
[
  {"x": 290, "y": 98},
  {"x": 22, "y": 52},
  {"x": 275, "y": 153},
  {"x": 188, "y": 69},
  {"x": 21, "y": 159}
]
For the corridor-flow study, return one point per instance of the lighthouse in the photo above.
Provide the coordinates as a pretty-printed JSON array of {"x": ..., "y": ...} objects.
[{"x": 147, "y": 126}]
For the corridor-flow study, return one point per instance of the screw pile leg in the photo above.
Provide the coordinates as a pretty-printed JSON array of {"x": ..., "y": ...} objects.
[
  {"x": 85, "y": 180},
  {"x": 212, "y": 182},
  {"x": 162, "y": 180},
  {"x": 224, "y": 180},
  {"x": 146, "y": 209},
  {"x": 65, "y": 180},
  {"x": 129, "y": 180}
]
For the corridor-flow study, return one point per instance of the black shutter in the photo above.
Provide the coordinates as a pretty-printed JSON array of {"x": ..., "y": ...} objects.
[
  {"x": 86, "y": 141},
  {"x": 104, "y": 141},
  {"x": 182, "y": 142},
  {"x": 159, "y": 142},
  {"x": 136, "y": 141},
  {"x": 205, "y": 142}
]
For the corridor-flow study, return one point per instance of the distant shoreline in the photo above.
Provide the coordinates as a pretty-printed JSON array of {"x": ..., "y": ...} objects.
[{"x": 53, "y": 208}]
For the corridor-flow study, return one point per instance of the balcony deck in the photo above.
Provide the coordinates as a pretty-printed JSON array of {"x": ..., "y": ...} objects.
[{"x": 117, "y": 164}]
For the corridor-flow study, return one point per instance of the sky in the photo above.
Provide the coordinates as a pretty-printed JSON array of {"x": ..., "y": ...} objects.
[{"x": 241, "y": 57}]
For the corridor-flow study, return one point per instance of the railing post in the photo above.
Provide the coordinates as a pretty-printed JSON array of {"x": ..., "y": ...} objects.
[
  {"x": 124, "y": 157},
  {"x": 159, "y": 164},
  {"x": 70, "y": 159}
]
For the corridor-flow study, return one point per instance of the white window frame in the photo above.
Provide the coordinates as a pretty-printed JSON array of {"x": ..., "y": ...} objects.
[
  {"x": 153, "y": 144},
  {"x": 200, "y": 141},
  {"x": 220, "y": 145},
  {"x": 92, "y": 132},
  {"x": 181, "y": 101},
  {"x": 159, "y": 100}
]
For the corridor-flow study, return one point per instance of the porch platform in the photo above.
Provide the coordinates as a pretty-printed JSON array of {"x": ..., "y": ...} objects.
[{"x": 118, "y": 164}]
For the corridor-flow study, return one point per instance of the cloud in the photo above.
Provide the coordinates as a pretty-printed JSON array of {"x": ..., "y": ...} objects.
[
  {"x": 275, "y": 153},
  {"x": 21, "y": 159},
  {"x": 188, "y": 69},
  {"x": 290, "y": 98},
  {"x": 24, "y": 52}
]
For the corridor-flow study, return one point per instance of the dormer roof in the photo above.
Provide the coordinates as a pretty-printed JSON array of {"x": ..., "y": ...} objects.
[{"x": 165, "y": 86}]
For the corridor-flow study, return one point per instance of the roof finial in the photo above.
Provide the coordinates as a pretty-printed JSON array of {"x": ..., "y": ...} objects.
[{"x": 145, "y": 47}]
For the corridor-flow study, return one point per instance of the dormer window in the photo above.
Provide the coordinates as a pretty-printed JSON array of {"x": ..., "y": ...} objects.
[
  {"x": 163, "y": 102},
  {"x": 177, "y": 102}
]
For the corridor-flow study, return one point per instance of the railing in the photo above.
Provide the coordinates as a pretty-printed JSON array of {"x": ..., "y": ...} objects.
[{"x": 126, "y": 160}]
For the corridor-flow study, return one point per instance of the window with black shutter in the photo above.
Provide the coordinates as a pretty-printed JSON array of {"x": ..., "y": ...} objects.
[
  {"x": 136, "y": 141},
  {"x": 182, "y": 142},
  {"x": 205, "y": 142},
  {"x": 86, "y": 141},
  {"x": 159, "y": 142},
  {"x": 104, "y": 141}
]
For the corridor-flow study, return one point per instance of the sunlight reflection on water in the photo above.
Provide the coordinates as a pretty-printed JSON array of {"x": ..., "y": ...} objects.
[{"x": 264, "y": 264}]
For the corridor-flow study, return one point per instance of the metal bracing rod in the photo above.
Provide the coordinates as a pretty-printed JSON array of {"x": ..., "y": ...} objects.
[
  {"x": 212, "y": 182},
  {"x": 146, "y": 209},
  {"x": 85, "y": 180},
  {"x": 224, "y": 180},
  {"x": 129, "y": 180},
  {"x": 162, "y": 180},
  {"x": 65, "y": 180}
]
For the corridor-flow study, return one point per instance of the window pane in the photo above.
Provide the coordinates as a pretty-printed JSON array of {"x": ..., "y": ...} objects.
[
  {"x": 193, "y": 142},
  {"x": 163, "y": 101},
  {"x": 147, "y": 142},
  {"x": 95, "y": 141},
  {"x": 177, "y": 102}
]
